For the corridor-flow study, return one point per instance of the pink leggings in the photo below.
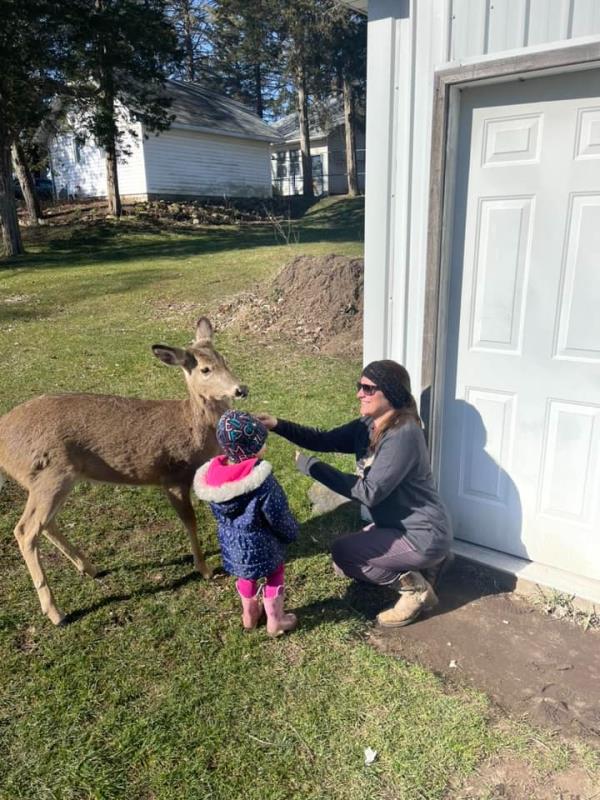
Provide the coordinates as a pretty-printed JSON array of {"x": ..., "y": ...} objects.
[{"x": 247, "y": 588}]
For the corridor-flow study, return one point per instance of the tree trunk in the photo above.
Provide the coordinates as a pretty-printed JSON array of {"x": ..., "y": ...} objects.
[
  {"x": 109, "y": 138},
  {"x": 258, "y": 90},
  {"x": 112, "y": 174},
  {"x": 112, "y": 182},
  {"x": 26, "y": 183},
  {"x": 350, "y": 138},
  {"x": 307, "y": 181},
  {"x": 188, "y": 41},
  {"x": 11, "y": 235}
]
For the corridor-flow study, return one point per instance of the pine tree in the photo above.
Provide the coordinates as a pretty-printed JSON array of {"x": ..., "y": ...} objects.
[
  {"x": 120, "y": 54},
  {"x": 304, "y": 26},
  {"x": 344, "y": 67},
  {"x": 190, "y": 19},
  {"x": 31, "y": 54},
  {"x": 244, "y": 50}
]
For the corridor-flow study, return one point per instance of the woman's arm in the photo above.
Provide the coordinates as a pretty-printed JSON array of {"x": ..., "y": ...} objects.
[
  {"x": 337, "y": 440},
  {"x": 394, "y": 459}
]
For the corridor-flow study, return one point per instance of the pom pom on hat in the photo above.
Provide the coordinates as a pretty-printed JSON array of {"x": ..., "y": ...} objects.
[
  {"x": 240, "y": 435},
  {"x": 393, "y": 380}
]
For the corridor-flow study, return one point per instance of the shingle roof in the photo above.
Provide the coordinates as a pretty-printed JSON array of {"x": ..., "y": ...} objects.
[
  {"x": 320, "y": 124},
  {"x": 198, "y": 108}
]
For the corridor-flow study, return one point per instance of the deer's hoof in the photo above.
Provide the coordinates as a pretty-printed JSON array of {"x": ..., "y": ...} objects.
[{"x": 57, "y": 617}]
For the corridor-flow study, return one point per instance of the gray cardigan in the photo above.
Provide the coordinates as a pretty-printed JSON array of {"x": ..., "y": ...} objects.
[{"x": 394, "y": 484}]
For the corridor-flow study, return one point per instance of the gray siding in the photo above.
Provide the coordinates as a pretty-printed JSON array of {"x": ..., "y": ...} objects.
[
  {"x": 479, "y": 27},
  {"x": 182, "y": 162}
]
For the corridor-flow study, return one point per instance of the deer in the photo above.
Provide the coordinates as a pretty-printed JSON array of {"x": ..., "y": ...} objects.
[{"x": 51, "y": 442}]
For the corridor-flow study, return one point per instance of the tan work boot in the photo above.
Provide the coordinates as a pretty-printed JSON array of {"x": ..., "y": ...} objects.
[{"x": 416, "y": 595}]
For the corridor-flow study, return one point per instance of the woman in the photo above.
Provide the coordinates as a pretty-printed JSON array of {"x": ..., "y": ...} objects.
[{"x": 407, "y": 537}]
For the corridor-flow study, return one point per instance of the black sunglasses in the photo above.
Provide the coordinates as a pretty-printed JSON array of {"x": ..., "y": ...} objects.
[{"x": 366, "y": 388}]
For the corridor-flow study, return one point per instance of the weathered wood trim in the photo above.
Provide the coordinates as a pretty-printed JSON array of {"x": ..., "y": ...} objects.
[{"x": 441, "y": 195}]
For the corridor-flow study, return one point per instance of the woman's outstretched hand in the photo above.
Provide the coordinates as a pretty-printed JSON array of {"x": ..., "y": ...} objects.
[
  {"x": 297, "y": 455},
  {"x": 268, "y": 420}
]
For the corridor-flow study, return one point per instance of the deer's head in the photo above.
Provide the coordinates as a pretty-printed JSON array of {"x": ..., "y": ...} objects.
[{"x": 206, "y": 373}]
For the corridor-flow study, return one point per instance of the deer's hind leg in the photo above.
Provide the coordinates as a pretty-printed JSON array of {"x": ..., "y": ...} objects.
[
  {"x": 179, "y": 497},
  {"x": 42, "y": 504},
  {"x": 69, "y": 550}
]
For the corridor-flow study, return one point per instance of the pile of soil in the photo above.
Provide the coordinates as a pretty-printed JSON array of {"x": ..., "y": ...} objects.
[{"x": 316, "y": 302}]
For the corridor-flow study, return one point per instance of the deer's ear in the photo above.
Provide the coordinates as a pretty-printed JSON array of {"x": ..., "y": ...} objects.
[
  {"x": 174, "y": 356},
  {"x": 204, "y": 330}
]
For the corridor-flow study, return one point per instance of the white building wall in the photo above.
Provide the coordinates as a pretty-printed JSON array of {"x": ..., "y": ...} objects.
[
  {"x": 131, "y": 168},
  {"x": 332, "y": 150},
  {"x": 288, "y": 184},
  {"x": 184, "y": 162},
  {"x": 79, "y": 169},
  {"x": 336, "y": 145},
  {"x": 408, "y": 41},
  {"x": 478, "y": 27}
]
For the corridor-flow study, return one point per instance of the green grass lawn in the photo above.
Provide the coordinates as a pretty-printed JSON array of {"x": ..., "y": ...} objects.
[{"x": 153, "y": 691}]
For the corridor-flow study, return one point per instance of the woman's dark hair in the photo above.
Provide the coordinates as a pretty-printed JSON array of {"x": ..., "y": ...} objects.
[{"x": 394, "y": 381}]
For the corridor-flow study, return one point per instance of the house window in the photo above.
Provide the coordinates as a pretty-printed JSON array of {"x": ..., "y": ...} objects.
[
  {"x": 317, "y": 173},
  {"x": 281, "y": 166},
  {"x": 295, "y": 163},
  {"x": 78, "y": 145}
]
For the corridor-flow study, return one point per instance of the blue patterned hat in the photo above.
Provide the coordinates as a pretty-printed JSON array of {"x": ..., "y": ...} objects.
[{"x": 240, "y": 435}]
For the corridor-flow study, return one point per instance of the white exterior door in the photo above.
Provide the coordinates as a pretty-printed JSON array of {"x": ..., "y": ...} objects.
[{"x": 520, "y": 449}]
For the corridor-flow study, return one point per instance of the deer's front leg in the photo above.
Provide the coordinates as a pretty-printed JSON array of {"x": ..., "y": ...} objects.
[{"x": 179, "y": 497}]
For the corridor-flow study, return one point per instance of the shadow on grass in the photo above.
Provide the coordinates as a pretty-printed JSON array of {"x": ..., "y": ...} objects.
[
  {"x": 144, "y": 591},
  {"x": 144, "y": 566},
  {"x": 463, "y": 583},
  {"x": 116, "y": 242},
  {"x": 115, "y": 284}
]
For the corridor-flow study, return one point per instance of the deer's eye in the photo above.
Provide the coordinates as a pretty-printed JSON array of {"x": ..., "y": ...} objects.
[{"x": 205, "y": 370}]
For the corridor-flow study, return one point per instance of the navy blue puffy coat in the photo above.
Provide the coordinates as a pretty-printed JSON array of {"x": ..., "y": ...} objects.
[{"x": 254, "y": 522}]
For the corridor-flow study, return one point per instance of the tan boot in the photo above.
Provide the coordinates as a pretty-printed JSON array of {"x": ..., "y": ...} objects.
[
  {"x": 416, "y": 595},
  {"x": 278, "y": 621}
]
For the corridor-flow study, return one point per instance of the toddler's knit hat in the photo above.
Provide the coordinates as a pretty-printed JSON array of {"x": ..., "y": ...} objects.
[
  {"x": 240, "y": 435},
  {"x": 393, "y": 380}
]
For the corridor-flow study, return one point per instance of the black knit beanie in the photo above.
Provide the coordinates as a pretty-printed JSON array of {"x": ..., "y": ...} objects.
[{"x": 392, "y": 379}]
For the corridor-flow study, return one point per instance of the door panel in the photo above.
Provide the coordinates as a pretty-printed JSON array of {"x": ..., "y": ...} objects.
[{"x": 520, "y": 463}]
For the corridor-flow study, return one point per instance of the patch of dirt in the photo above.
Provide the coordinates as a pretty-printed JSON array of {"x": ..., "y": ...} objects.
[
  {"x": 316, "y": 302},
  {"x": 532, "y": 665},
  {"x": 513, "y": 779}
]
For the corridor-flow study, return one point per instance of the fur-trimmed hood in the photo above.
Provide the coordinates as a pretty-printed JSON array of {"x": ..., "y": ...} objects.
[{"x": 233, "y": 489}]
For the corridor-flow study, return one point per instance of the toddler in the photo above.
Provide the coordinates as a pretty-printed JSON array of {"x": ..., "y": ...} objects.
[{"x": 254, "y": 522}]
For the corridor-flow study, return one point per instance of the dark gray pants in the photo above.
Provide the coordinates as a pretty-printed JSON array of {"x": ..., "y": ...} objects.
[{"x": 377, "y": 555}]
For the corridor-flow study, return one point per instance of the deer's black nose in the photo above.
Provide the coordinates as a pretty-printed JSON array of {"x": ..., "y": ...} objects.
[{"x": 241, "y": 391}]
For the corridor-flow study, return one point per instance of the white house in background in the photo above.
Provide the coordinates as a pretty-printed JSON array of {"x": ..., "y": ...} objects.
[
  {"x": 483, "y": 264},
  {"x": 328, "y": 153},
  {"x": 214, "y": 147}
]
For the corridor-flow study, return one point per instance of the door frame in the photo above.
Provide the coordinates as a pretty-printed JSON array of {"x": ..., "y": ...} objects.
[{"x": 444, "y": 149}]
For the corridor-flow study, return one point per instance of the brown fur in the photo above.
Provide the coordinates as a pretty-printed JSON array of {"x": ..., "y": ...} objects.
[{"x": 50, "y": 443}]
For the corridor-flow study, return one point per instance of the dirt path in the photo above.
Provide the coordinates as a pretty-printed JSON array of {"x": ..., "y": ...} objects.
[
  {"x": 531, "y": 665},
  {"x": 528, "y": 662}
]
